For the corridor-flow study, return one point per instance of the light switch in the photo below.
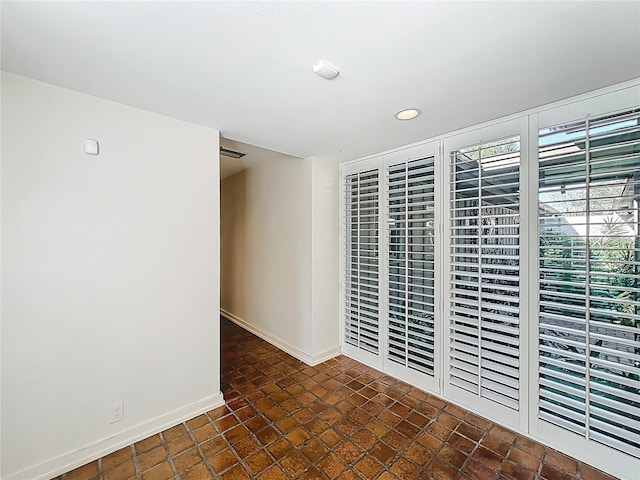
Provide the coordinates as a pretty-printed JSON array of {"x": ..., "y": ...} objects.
[{"x": 91, "y": 146}]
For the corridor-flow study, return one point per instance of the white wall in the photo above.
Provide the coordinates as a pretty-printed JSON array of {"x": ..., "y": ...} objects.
[
  {"x": 266, "y": 251},
  {"x": 110, "y": 275},
  {"x": 325, "y": 257}
]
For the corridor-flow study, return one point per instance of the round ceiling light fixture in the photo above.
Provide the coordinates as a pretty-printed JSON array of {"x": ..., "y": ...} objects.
[{"x": 408, "y": 113}]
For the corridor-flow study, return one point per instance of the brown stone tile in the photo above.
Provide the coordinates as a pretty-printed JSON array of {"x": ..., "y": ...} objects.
[
  {"x": 514, "y": 471},
  {"x": 126, "y": 470},
  {"x": 455, "y": 410},
  {"x": 280, "y": 448},
  {"x": 294, "y": 464},
  {"x": 246, "y": 447},
  {"x": 274, "y": 473},
  {"x": 198, "y": 472},
  {"x": 256, "y": 424},
  {"x": 399, "y": 409},
  {"x": 312, "y": 473},
  {"x": 470, "y": 432},
  {"x": 396, "y": 440},
  {"x": 331, "y": 438},
  {"x": 479, "y": 471},
  {"x": 551, "y": 473},
  {"x": 222, "y": 461},
  {"x": 404, "y": 469},
  {"x": 314, "y": 450},
  {"x": 448, "y": 420},
  {"x": 198, "y": 422},
  {"x": 522, "y": 458},
  {"x": 225, "y": 423},
  {"x": 147, "y": 444},
  {"x": 587, "y": 472},
  {"x": 116, "y": 458},
  {"x": 331, "y": 415},
  {"x": 386, "y": 475},
  {"x": 430, "y": 442},
  {"x": 382, "y": 452},
  {"x": 218, "y": 412},
  {"x": 85, "y": 472},
  {"x": 418, "y": 454},
  {"x": 174, "y": 432},
  {"x": 477, "y": 421},
  {"x": 440, "y": 470},
  {"x": 349, "y": 475},
  {"x": 180, "y": 444},
  {"x": 151, "y": 458},
  {"x": 275, "y": 414},
  {"x": 264, "y": 404},
  {"x": 236, "y": 434},
  {"x": 267, "y": 435},
  {"x": 496, "y": 444},
  {"x": 503, "y": 433},
  {"x": 452, "y": 456},
  {"x": 304, "y": 415},
  {"x": 461, "y": 443},
  {"x": 364, "y": 439},
  {"x": 368, "y": 467},
  {"x": 438, "y": 430},
  {"x": 287, "y": 424},
  {"x": 186, "y": 460},
  {"x": 258, "y": 462},
  {"x": 204, "y": 433},
  {"x": 162, "y": 471},
  {"x": 407, "y": 429},
  {"x": 488, "y": 458},
  {"x": 331, "y": 465},
  {"x": 388, "y": 417},
  {"x": 316, "y": 426},
  {"x": 560, "y": 461},
  {"x": 298, "y": 436},
  {"x": 236, "y": 473},
  {"x": 531, "y": 447},
  {"x": 348, "y": 452},
  {"x": 212, "y": 447},
  {"x": 378, "y": 428}
]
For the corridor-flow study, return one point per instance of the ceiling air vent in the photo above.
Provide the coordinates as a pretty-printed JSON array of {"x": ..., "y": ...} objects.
[{"x": 231, "y": 153}]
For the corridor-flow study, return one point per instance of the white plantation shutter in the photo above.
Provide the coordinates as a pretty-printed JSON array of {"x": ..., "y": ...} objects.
[
  {"x": 589, "y": 320},
  {"x": 410, "y": 189},
  {"x": 484, "y": 274},
  {"x": 361, "y": 302}
]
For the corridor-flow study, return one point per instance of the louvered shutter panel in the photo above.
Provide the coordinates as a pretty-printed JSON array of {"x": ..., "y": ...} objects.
[
  {"x": 361, "y": 268},
  {"x": 411, "y": 218},
  {"x": 484, "y": 302},
  {"x": 589, "y": 321}
]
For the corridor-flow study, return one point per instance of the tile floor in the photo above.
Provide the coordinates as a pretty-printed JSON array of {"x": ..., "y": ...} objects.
[{"x": 285, "y": 420}]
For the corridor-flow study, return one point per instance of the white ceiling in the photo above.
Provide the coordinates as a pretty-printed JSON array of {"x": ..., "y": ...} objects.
[{"x": 245, "y": 67}]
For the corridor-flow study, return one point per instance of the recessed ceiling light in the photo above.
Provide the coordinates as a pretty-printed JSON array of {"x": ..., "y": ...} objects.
[{"x": 408, "y": 114}]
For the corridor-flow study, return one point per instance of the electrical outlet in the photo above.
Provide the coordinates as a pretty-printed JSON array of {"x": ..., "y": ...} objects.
[{"x": 116, "y": 412}]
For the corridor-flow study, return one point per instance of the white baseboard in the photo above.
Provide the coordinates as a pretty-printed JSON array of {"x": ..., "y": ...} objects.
[
  {"x": 326, "y": 355},
  {"x": 69, "y": 461},
  {"x": 295, "y": 352}
]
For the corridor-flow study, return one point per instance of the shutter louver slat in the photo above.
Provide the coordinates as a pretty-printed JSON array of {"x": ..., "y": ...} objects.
[
  {"x": 411, "y": 189},
  {"x": 485, "y": 271},
  {"x": 589, "y": 361},
  {"x": 361, "y": 292}
]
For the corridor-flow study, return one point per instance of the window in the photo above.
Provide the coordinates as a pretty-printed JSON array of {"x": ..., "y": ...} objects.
[
  {"x": 589, "y": 353},
  {"x": 361, "y": 282},
  {"x": 484, "y": 268},
  {"x": 411, "y": 281}
]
